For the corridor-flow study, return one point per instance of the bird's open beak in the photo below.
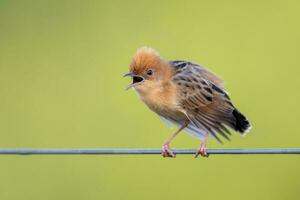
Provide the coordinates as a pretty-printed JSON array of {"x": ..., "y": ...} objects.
[{"x": 136, "y": 80}]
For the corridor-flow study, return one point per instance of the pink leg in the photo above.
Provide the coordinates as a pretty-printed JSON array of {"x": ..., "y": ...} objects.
[
  {"x": 166, "y": 150},
  {"x": 202, "y": 150}
]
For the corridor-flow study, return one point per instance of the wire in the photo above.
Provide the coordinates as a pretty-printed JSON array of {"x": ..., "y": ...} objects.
[{"x": 112, "y": 151}]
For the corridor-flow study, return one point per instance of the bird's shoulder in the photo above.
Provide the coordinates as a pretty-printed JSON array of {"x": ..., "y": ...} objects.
[
  {"x": 183, "y": 67},
  {"x": 197, "y": 86}
]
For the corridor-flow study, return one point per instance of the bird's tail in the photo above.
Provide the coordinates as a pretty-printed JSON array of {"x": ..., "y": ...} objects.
[{"x": 242, "y": 124}]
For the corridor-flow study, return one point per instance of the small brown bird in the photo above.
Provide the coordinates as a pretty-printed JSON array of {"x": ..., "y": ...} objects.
[{"x": 187, "y": 95}]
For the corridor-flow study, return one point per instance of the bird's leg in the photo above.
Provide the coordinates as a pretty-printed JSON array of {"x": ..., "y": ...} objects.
[
  {"x": 202, "y": 150},
  {"x": 166, "y": 150}
]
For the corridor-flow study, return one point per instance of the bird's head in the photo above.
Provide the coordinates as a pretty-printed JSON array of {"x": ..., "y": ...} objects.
[{"x": 147, "y": 69}]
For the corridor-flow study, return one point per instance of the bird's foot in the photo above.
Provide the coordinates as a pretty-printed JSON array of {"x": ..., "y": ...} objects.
[
  {"x": 166, "y": 151},
  {"x": 202, "y": 150}
]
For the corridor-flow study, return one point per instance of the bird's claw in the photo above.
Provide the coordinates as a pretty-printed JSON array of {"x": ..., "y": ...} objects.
[
  {"x": 167, "y": 152},
  {"x": 202, "y": 150}
]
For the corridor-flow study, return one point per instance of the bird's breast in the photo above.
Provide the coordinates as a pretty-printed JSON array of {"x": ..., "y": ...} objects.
[{"x": 163, "y": 101}]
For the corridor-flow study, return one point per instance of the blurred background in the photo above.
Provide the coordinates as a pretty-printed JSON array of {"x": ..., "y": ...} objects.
[{"x": 61, "y": 85}]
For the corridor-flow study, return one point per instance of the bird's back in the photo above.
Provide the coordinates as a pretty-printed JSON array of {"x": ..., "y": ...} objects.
[{"x": 181, "y": 66}]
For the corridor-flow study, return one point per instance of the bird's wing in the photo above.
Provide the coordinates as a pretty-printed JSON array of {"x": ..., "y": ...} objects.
[
  {"x": 203, "y": 99},
  {"x": 180, "y": 65}
]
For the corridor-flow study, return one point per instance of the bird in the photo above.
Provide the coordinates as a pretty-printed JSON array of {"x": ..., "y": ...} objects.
[{"x": 187, "y": 95}]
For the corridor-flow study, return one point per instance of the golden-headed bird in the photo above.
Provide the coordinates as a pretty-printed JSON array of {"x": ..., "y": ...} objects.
[{"x": 187, "y": 95}]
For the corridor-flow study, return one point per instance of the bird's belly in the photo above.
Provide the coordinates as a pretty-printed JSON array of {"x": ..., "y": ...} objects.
[
  {"x": 172, "y": 114},
  {"x": 167, "y": 111}
]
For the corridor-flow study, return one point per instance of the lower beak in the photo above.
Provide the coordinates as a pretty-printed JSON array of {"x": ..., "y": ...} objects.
[{"x": 136, "y": 80}]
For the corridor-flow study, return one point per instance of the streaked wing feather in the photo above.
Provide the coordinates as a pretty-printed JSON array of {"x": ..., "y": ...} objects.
[
  {"x": 181, "y": 64},
  {"x": 203, "y": 98}
]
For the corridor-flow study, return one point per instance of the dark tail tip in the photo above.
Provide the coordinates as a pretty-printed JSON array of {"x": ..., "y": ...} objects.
[{"x": 242, "y": 125}]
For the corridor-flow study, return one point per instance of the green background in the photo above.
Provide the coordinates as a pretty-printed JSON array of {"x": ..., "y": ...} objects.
[{"x": 61, "y": 85}]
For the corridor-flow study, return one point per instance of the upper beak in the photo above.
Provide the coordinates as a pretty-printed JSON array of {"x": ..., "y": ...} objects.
[
  {"x": 128, "y": 74},
  {"x": 136, "y": 80}
]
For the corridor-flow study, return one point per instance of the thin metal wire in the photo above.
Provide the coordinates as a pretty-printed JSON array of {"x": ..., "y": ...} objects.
[{"x": 112, "y": 151}]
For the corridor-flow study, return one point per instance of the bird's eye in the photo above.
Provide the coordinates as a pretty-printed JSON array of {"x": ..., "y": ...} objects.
[{"x": 149, "y": 72}]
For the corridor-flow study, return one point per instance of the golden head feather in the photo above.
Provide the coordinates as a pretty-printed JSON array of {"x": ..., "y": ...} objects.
[
  {"x": 148, "y": 69},
  {"x": 145, "y": 57}
]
